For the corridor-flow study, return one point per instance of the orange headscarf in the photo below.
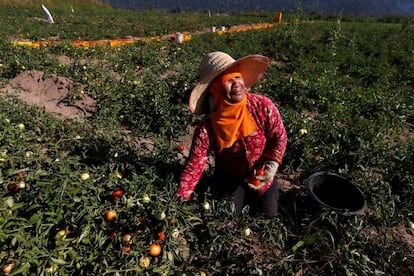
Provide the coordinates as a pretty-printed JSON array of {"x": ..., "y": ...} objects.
[{"x": 231, "y": 121}]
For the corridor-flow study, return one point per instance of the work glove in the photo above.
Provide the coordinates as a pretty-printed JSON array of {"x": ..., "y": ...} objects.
[
  {"x": 270, "y": 169},
  {"x": 260, "y": 178}
]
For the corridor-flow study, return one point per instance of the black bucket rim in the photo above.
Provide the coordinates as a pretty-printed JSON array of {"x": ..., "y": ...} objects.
[{"x": 344, "y": 211}]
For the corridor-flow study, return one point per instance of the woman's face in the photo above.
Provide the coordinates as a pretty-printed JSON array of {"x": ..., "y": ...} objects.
[{"x": 234, "y": 89}]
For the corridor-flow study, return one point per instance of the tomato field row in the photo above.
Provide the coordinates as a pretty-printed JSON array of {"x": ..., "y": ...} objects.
[{"x": 96, "y": 196}]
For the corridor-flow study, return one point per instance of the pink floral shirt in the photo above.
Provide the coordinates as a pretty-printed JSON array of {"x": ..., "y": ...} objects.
[{"x": 245, "y": 155}]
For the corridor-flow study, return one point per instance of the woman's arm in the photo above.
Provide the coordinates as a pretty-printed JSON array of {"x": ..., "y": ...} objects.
[
  {"x": 196, "y": 162},
  {"x": 275, "y": 134},
  {"x": 268, "y": 117}
]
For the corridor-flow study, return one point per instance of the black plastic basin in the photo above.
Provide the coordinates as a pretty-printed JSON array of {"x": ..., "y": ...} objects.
[{"x": 334, "y": 191}]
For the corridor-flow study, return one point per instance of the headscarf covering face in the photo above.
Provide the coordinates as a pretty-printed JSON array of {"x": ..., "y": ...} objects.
[{"x": 231, "y": 121}]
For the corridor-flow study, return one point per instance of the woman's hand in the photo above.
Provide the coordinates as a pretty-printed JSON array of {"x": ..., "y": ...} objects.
[
  {"x": 268, "y": 173},
  {"x": 270, "y": 169},
  {"x": 256, "y": 184}
]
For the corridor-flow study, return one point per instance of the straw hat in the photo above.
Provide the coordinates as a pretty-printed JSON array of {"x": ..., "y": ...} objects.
[{"x": 251, "y": 67}]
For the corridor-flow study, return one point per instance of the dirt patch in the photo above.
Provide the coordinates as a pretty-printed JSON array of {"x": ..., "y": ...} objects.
[
  {"x": 406, "y": 234},
  {"x": 65, "y": 60},
  {"x": 397, "y": 233},
  {"x": 51, "y": 94},
  {"x": 393, "y": 247}
]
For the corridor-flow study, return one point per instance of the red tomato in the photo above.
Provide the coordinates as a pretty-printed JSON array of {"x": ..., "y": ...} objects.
[
  {"x": 161, "y": 236},
  {"x": 117, "y": 194},
  {"x": 13, "y": 187},
  {"x": 181, "y": 147},
  {"x": 126, "y": 249},
  {"x": 113, "y": 234},
  {"x": 260, "y": 172},
  {"x": 255, "y": 182}
]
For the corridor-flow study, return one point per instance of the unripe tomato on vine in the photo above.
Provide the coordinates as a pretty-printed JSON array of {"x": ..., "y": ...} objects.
[{"x": 144, "y": 262}]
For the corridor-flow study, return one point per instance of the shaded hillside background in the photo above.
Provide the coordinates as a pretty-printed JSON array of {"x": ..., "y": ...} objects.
[{"x": 348, "y": 7}]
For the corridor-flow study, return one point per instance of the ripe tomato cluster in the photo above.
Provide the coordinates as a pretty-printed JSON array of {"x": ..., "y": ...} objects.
[{"x": 255, "y": 179}]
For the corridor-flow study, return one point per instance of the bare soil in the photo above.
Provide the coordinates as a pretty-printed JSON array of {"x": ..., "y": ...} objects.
[{"x": 50, "y": 93}]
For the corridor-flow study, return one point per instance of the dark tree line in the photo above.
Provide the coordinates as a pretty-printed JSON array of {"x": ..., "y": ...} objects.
[{"x": 346, "y": 7}]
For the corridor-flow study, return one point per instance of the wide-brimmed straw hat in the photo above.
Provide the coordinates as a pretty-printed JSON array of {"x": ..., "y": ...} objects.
[{"x": 252, "y": 69}]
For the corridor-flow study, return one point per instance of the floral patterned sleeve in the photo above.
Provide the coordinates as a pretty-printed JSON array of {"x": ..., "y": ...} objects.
[
  {"x": 277, "y": 136},
  {"x": 196, "y": 162},
  {"x": 272, "y": 123}
]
